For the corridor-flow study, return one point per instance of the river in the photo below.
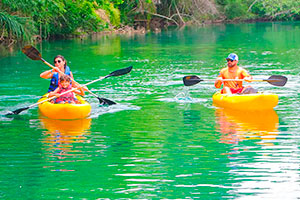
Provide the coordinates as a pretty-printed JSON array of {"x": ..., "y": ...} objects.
[{"x": 162, "y": 140}]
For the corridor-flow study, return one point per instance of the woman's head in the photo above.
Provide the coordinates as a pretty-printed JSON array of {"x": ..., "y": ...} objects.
[{"x": 59, "y": 60}]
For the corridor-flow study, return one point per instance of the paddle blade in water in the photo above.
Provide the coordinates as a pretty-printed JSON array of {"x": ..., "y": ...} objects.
[
  {"x": 191, "y": 80},
  {"x": 277, "y": 80},
  {"x": 31, "y": 52},
  {"x": 120, "y": 72},
  {"x": 104, "y": 101},
  {"x": 17, "y": 111}
]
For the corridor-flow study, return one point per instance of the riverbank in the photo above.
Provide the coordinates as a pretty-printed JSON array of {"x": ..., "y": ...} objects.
[
  {"x": 29, "y": 22},
  {"x": 139, "y": 28}
]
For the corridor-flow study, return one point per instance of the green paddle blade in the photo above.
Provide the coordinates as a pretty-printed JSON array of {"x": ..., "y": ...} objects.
[
  {"x": 120, "y": 72},
  {"x": 277, "y": 80},
  {"x": 31, "y": 52},
  {"x": 191, "y": 80}
]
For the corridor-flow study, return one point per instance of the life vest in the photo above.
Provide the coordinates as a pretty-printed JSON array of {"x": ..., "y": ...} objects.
[
  {"x": 65, "y": 98},
  {"x": 55, "y": 77}
]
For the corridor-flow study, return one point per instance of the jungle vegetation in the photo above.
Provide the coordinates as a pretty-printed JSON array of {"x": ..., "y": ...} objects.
[{"x": 29, "y": 20}]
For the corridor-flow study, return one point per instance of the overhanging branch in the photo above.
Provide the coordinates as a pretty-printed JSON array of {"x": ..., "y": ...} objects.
[{"x": 161, "y": 16}]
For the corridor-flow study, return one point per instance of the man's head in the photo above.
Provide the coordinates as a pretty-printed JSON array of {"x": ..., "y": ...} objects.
[{"x": 232, "y": 60}]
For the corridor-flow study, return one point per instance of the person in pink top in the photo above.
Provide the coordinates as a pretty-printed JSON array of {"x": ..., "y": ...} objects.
[{"x": 63, "y": 86}]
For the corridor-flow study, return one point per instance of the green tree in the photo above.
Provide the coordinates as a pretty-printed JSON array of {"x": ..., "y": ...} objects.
[
  {"x": 234, "y": 9},
  {"x": 276, "y": 9},
  {"x": 13, "y": 28}
]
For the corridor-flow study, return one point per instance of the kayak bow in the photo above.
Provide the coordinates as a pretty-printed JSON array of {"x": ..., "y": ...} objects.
[
  {"x": 257, "y": 101},
  {"x": 65, "y": 111}
]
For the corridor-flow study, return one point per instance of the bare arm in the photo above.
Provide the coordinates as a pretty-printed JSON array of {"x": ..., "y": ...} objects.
[
  {"x": 54, "y": 93},
  {"x": 49, "y": 73},
  {"x": 246, "y": 76},
  {"x": 218, "y": 82},
  {"x": 79, "y": 91},
  {"x": 46, "y": 74}
]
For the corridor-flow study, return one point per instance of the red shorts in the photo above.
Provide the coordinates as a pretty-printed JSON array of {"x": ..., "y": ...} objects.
[{"x": 233, "y": 91}]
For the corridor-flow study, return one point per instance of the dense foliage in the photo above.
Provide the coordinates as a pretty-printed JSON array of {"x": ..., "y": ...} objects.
[
  {"x": 260, "y": 9},
  {"x": 13, "y": 26},
  {"x": 30, "y": 19}
]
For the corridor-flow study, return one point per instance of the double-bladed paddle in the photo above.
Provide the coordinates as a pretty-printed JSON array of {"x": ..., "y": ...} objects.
[
  {"x": 276, "y": 80},
  {"x": 118, "y": 72},
  {"x": 34, "y": 54}
]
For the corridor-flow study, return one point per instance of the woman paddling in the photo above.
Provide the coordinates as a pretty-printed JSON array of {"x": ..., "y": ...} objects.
[{"x": 54, "y": 74}]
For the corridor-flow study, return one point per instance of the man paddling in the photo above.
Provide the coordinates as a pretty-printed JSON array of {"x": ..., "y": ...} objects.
[{"x": 233, "y": 71}]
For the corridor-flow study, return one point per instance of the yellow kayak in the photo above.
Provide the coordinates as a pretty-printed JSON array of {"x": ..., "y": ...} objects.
[
  {"x": 65, "y": 111},
  {"x": 257, "y": 101}
]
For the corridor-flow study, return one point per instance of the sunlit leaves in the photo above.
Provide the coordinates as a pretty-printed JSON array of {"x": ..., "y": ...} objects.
[
  {"x": 278, "y": 8},
  {"x": 269, "y": 9}
]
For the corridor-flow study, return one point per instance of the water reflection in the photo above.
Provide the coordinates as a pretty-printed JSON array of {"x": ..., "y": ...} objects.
[
  {"x": 236, "y": 126},
  {"x": 61, "y": 137}
]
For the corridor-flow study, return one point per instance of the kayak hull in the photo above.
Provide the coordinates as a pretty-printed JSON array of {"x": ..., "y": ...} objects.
[
  {"x": 257, "y": 101},
  {"x": 65, "y": 111}
]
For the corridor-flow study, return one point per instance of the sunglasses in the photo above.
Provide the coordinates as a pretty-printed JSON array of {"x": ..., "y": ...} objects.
[
  {"x": 58, "y": 61},
  {"x": 229, "y": 60}
]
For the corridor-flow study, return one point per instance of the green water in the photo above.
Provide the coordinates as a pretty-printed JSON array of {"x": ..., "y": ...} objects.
[{"x": 162, "y": 140}]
